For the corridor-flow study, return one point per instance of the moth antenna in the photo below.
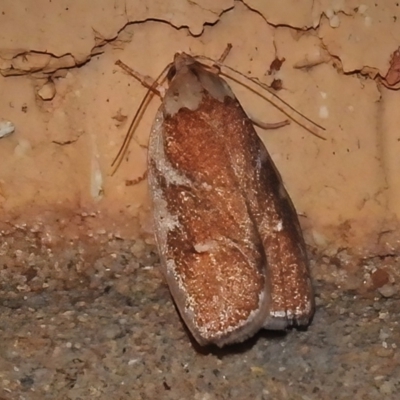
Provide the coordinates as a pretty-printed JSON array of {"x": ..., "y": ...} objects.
[
  {"x": 281, "y": 109},
  {"x": 128, "y": 137},
  {"x": 218, "y": 65},
  {"x": 153, "y": 88}
]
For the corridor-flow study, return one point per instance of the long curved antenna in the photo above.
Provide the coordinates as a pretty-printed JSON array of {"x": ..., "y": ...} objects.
[
  {"x": 152, "y": 88},
  {"x": 265, "y": 87},
  {"x": 281, "y": 109}
]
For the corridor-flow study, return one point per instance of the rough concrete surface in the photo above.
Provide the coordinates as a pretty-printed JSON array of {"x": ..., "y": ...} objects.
[
  {"x": 71, "y": 105},
  {"x": 89, "y": 316}
]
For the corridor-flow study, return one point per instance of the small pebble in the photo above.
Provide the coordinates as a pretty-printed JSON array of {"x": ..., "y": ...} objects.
[
  {"x": 6, "y": 128},
  {"x": 387, "y": 290},
  {"x": 47, "y": 91}
]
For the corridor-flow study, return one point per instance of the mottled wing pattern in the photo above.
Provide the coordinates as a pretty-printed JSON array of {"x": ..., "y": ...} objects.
[{"x": 229, "y": 239}]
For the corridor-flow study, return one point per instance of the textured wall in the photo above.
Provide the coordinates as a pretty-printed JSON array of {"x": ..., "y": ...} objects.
[{"x": 71, "y": 106}]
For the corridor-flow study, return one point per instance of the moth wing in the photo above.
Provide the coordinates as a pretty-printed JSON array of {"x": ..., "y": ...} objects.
[
  {"x": 230, "y": 243},
  {"x": 291, "y": 289},
  {"x": 210, "y": 249}
]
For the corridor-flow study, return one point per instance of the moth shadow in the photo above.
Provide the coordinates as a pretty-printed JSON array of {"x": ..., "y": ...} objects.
[{"x": 236, "y": 348}]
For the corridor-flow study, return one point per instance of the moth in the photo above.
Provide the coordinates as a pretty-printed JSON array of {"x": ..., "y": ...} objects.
[{"x": 230, "y": 244}]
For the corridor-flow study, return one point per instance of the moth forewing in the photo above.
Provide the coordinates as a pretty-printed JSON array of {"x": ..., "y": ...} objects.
[
  {"x": 292, "y": 293},
  {"x": 230, "y": 244},
  {"x": 199, "y": 259}
]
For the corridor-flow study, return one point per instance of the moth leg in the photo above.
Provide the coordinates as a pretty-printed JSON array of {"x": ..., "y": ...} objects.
[
  {"x": 145, "y": 80},
  {"x": 266, "y": 125},
  {"x": 215, "y": 68},
  {"x": 225, "y": 53}
]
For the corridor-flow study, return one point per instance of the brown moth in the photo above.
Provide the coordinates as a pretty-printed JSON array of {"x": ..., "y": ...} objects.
[{"x": 229, "y": 239}]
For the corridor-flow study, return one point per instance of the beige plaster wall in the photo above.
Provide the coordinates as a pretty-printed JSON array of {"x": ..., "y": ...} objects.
[{"x": 71, "y": 107}]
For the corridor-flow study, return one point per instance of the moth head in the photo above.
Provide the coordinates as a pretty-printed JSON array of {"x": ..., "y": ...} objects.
[{"x": 181, "y": 61}]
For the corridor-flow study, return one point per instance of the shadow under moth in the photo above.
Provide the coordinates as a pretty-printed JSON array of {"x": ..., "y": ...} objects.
[{"x": 230, "y": 244}]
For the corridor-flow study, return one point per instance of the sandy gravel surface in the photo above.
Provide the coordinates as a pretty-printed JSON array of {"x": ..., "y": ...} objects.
[{"x": 91, "y": 317}]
